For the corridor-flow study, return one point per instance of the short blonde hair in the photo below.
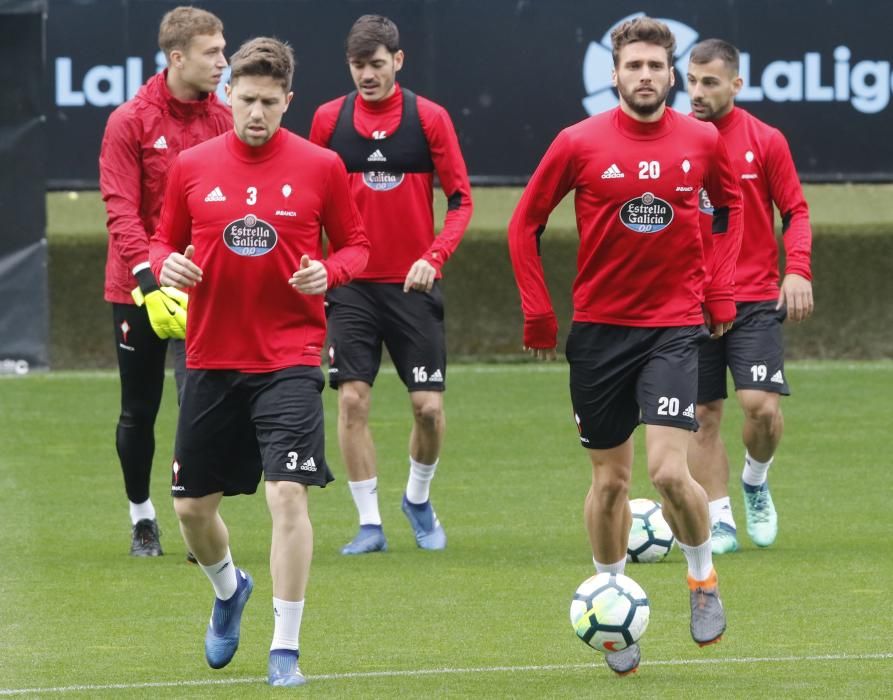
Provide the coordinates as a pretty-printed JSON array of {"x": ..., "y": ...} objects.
[{"x": 182, "y": 24}]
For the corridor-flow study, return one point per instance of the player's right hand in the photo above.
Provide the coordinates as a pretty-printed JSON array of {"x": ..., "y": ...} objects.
[{"x": 179, "y": 271}]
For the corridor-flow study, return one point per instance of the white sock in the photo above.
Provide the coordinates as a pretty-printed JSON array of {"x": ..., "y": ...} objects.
[
  {"x": 418, "y": 487},
  {"x": 365, "y": 497},
  {"x": 141, "y": 511},
  {"x": 754, "y": 473},
  {"x": 287, "y": 616},
  {"x": 699, "y": 558},
  {"x": 721, "y": 511},
  {"x": 222, "y": 576},
  {"x": 616, "y": 568}
]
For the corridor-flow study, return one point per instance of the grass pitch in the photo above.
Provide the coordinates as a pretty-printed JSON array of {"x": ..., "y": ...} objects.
[{"x": 488, "y": 617}]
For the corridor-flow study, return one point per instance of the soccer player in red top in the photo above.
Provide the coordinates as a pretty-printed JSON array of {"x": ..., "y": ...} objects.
[
  {"x": 640, "y": 300},
  {"x": 247, "y": 210},
  {"x": 392, "y": 142},
  {"x": 174, "y": 110},
  {"x": 754, "y": 349}
]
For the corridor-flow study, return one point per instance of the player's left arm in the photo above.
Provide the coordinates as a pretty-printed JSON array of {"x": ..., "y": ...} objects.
[
  {"x": 450, "y": 167},
  {"x": 724, "y": 193},
  {"x": 787, "y": 194},
  {"x": 343, "y": 225}
]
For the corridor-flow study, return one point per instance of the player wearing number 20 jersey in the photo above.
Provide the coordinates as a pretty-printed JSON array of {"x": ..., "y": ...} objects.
[
  {"x": 640, "y": 296},
  {"x": 641, "y": 260}
]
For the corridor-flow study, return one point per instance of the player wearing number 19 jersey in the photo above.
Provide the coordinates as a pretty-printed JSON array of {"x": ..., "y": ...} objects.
[
  {"x": 642, "y": 280},
  {"x": 754, "y": 349}
]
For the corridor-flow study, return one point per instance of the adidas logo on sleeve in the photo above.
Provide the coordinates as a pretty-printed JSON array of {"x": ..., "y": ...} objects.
[
  {"x": 612, "y": 173},
  {"x": 160, "y": 144}
]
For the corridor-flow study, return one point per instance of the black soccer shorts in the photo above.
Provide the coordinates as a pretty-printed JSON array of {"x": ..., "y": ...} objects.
[
  {"x": 235, "y": 426},
  {"x": 753, "y": 350},
  {"x": 621, "y": 376},
  {"x": 364, "y": 315}
]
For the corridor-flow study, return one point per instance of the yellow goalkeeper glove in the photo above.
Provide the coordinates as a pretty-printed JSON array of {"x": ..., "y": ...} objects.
[{"x": 166, "y": 306}]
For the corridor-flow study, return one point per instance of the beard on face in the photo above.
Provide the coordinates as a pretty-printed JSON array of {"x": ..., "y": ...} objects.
[{"x": 639, "y": 106}]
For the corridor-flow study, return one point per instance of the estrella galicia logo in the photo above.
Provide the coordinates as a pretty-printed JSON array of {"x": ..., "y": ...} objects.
[
  {"x": 250, "y": 236},
  {"x": 599, "y": 61},
  {"x": 381, "y": 181},
  {"x": 704, "y": 203},
  {"x": 646, "y": 214}
]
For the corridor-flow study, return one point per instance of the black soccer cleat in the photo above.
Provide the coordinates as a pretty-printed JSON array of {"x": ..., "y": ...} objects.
[{"x": 146, "y": 541}]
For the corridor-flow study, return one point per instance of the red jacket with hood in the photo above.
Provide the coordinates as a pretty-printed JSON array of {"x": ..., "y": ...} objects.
[{"x": 142, "y": 138}]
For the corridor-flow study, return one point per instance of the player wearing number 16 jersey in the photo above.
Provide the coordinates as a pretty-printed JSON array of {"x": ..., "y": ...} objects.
[
  {"x": 247, "y": 210},
  {"x": 642, "y": 282},
  {"x": 392, "y": 142}
]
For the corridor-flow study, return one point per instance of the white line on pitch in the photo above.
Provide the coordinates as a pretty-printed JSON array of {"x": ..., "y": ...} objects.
[{"x": 447, "y": 671}]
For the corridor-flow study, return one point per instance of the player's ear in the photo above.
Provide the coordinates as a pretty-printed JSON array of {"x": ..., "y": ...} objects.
[
  {"x": 614, "y": 77},
  {"x": 228, "y": 89},
  {"x": 672, "y": 76},
  {"x": 288, "y": 99},
  {"x": 737, "y": 84},
  {"x": 175, "y": 59},
  {"x": 398, "y": 59}
]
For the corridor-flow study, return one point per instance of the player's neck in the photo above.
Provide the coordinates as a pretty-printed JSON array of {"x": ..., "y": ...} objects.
[
  {"x": 181, "y": 90},
  {"x": 655, "y": 116}
]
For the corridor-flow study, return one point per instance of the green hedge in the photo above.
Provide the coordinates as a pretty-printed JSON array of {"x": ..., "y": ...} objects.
[{"x": 853, "y": 289}]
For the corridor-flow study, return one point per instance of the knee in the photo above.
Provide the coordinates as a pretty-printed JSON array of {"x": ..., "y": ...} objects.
[
  {"x": 287, "y": 501},
  {"x": 193, "y": 512},
  {"x": 763, "y": 413},
  {"x": 428, "y": 413},
  {"x": 353, "y": 406},
  {"x": 609, "y": 489},
  {"x": 709, "y": 418},
  {"x": 135, "y": 414},
  {"x": 668, "y": 478}
]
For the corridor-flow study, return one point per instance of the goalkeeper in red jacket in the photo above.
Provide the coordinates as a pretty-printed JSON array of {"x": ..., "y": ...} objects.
[{"x": 174, "y": 110}]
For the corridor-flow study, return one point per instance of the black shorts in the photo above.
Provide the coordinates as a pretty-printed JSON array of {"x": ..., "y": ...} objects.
[
  {"x": 363, "y": 315},
  {"x": 753, "y": 350},
  {"x": 235, "y": 426},
  {"x": 621, "y": 376}
]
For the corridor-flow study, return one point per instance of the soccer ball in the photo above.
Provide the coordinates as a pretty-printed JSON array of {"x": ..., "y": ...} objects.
[
  {"x": 650, "y": 538},
  {"x": 610, "y": 612}
]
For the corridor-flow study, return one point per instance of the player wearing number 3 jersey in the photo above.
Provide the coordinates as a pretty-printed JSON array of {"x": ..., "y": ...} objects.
[
  {"x": 640, "y": 297},
  {"x": 241, "y": 227}
]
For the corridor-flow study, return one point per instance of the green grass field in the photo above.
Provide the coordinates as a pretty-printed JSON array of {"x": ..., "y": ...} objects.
[
  {"x": 833, "y": 208},
  {"x": 488, "y": 617}
]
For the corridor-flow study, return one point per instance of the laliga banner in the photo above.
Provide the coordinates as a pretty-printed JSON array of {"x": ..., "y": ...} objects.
[
  {"x": 511, "y": 74},
  {"x": 24, "y": 312}
]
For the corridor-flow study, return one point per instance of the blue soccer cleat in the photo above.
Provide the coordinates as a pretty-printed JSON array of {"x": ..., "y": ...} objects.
[
  {"x": 762, "y": 520},
  {"x": 370, "y": 538},
  {"x": 723, "y": 538},
  {"x": 282, "y": 669},
  {"x": 222, "y": 636},
  {"x": 428, "y": 531}
]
